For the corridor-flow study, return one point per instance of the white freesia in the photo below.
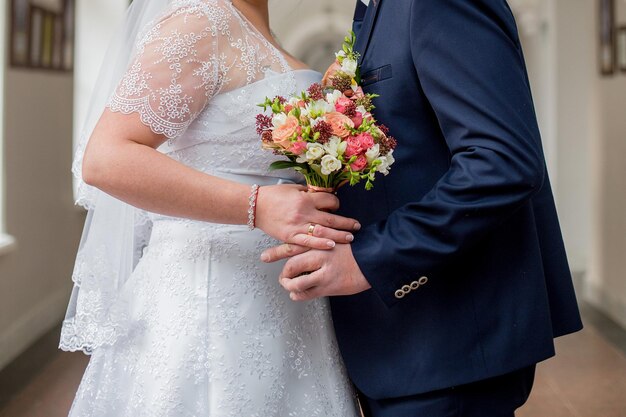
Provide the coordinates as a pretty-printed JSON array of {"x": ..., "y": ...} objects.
[
  {"x": 330, "y": 164},
  {"x": 373, "y": 153},
  {"x": 317, "y": 109},
  {"x": 385, "y": 163},
  {"x": 335, "y": 146},
  {"x": 293, "y": 101},
  {"x": 349, "y": 66},
  {"x": 333, "y": 97},
  {"x": 362, "y": 110},
  {"x": 279, "y": 119},
  {"x": 340, "y": 54}
]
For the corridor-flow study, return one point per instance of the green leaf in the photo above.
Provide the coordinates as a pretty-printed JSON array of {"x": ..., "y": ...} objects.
[{"x": 277, "y": 165}]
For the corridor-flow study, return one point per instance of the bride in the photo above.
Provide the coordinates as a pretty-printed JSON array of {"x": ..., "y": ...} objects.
[{"x": 170, "y": 298}]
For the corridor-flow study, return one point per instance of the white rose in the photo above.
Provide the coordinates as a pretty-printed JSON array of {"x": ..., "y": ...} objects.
[
  {"x": 279, "y": 119},
  {"x": 330, "y": 164},
  {"x": 349, "y": 66},
  {"x": 314, "y": 151},
  {"x": 373, "y": 153}
]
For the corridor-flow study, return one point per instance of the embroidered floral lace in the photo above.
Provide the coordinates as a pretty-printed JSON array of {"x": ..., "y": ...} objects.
[{"x": 194, "y": 324}]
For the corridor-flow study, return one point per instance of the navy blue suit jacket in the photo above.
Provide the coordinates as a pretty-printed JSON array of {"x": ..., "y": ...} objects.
[{"x": 468, "y": 205}]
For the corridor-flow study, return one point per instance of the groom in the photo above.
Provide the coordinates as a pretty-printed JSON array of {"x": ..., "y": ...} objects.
[{"x": 458, "y": 282}]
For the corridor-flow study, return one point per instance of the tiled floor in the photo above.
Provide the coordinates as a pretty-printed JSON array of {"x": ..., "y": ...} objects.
[{"x": 586, "y": 379}]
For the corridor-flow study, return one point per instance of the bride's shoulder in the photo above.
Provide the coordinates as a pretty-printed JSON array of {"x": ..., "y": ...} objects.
[
  {"x": 219, "y": 14},
  {"x": 214, "y": 9},
  {"x": 190, "y": 16}
]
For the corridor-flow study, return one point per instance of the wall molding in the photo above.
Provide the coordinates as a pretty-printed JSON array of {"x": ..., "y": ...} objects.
[{"x": 32, "y": 325}]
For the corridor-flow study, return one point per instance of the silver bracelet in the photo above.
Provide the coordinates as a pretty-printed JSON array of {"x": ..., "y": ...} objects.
[{"x": 252, "y": 207}]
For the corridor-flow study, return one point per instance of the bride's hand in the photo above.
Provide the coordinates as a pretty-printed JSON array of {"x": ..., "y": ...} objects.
[{"x": 289, "y": 213}]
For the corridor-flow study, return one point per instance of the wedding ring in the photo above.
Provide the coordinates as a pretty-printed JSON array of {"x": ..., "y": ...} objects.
[{"x": 311, "y": 229}]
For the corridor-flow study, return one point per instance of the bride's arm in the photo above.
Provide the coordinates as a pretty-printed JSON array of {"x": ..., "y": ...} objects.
[{"x": 121, "y": 159}]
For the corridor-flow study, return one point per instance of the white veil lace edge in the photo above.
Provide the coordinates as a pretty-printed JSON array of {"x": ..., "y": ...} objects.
[{"x": 115, "y": 233}]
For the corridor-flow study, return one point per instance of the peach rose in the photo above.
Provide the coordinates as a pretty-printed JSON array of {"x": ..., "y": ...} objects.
[
  {"x": 283, "y": 133},
  {"x": 330, "y": 73},
  {"x": 338, "y": 122}
]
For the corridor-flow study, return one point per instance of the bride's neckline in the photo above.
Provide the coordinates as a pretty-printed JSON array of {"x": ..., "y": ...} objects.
[{"x": 287, "y": 68}]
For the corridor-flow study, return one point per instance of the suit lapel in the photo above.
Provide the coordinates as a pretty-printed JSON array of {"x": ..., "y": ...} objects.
[{"x": 365, "y": 32}]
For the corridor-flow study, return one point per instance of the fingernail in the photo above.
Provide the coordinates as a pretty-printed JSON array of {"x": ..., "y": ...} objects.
[
  {"x": 357, "y": 226},
  {"x": 265, "y": 257},
  {"x": 350, "y": 238},
  {"x": 292, "y": 296},
  {"x": 331, "y": 244}
]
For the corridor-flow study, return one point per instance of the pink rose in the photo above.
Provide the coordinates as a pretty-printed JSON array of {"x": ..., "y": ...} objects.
[
  {"x": 367, "y": 141},
  {"x": 359, "y": 164},
  {"x": 342, "y": 104},
  {"x": 282, "y": 134},
  {"x": 339, "y": 122},
  {"x": 353, "y": 147},
  {"x": 298, "y": 148},
  {"x": 358, "y": 120}
]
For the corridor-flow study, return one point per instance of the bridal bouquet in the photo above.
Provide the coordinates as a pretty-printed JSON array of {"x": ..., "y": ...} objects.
[{"x": 328, "y": 133}]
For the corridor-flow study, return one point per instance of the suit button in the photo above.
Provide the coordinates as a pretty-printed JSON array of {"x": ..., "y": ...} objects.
[
  {"x": 423, "y": 280},
  {"x": 400, "y": 294},
  {"x": 406, "y": 289},
  {"x": 415, "y": 285}
]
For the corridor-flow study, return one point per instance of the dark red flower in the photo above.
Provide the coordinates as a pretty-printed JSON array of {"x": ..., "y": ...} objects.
[
  {"x": 325, "y": 130},
  {"x": 263, "y": 123},
  {"x": 316, "y": 92},
  {"x": 266, "y": 137},
  {"x": 387, "y": 144}
]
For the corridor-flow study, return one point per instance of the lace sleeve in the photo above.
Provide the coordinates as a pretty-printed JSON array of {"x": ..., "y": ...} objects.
[{"x": 177, "y": 69}]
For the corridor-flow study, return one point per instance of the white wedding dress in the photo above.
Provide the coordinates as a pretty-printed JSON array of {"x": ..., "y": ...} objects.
[{"x": 207, "y": 330}]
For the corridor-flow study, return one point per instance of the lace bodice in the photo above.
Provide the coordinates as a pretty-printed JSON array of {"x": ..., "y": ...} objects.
[{"x": 199, "y": 72}]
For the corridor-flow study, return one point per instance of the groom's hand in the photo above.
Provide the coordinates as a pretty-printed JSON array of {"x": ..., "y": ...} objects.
[{"x": 314, "y": 273}]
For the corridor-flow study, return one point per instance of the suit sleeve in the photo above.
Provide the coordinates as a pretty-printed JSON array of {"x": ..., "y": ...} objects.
[{"x": 468, "y": 61}]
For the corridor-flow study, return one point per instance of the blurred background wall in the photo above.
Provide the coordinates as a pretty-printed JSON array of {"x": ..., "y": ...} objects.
[
  {"x": 37, "y": 202},
  {"x": 582, "y": 117}
]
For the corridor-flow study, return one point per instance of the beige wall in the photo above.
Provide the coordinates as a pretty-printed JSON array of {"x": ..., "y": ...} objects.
[
  {"x": 606, "y": 283},
  {"x": 35, "y": 277}
]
